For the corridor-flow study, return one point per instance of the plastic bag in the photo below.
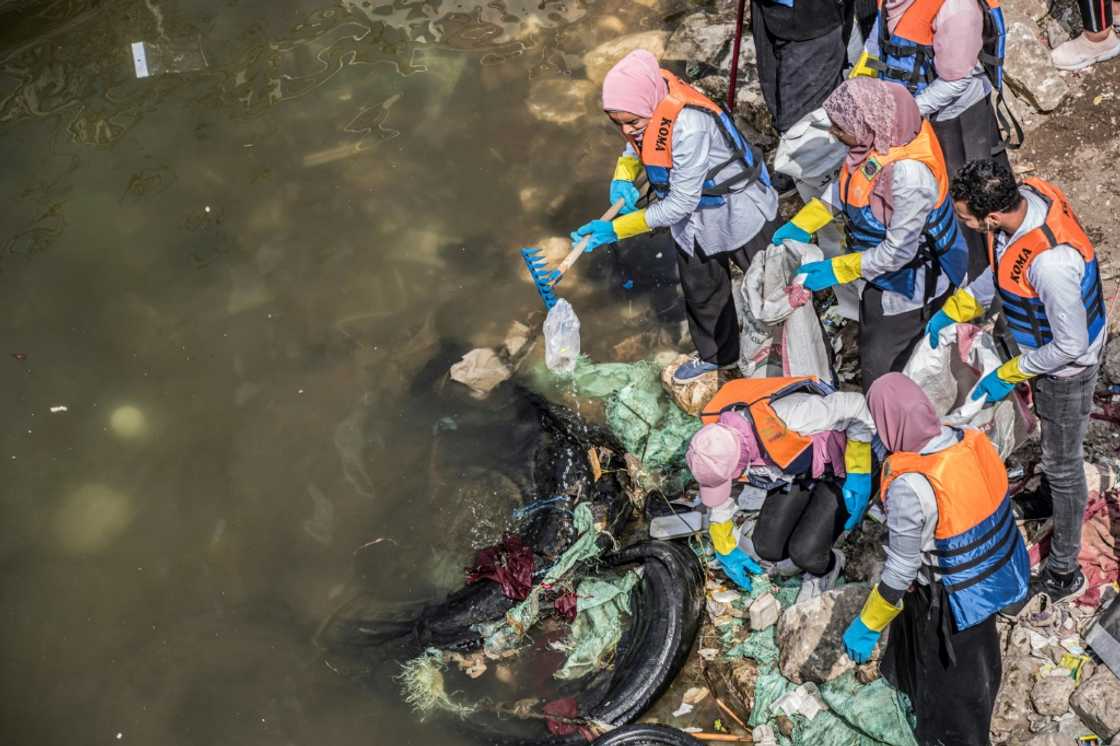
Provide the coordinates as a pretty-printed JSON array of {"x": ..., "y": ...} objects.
[
  {"x": 561, "y": 338},
  {"x": 781, "y": 334},
  {"x": 966, "y": 353}
]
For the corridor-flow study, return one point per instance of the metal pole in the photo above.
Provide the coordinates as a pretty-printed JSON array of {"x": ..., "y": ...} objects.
[{"x": 734, "y": 82}]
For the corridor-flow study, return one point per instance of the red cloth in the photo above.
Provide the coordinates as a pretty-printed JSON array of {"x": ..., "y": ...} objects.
[
  {"x": 566, "y": 606},
  {"x": 566, "y": 708},
  {"x": 509, "y": 564},
  {"x": 1100, "y": 540}
]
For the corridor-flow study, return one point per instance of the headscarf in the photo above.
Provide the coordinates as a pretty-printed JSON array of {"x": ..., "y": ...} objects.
[
  {"x": 904, "y": 416},
  {"x": 880, "y": 115},
  {"x": 634, "y": 84}
]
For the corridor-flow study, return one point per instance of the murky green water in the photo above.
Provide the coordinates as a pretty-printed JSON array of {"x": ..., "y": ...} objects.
[{"x": 243, "y": 284}]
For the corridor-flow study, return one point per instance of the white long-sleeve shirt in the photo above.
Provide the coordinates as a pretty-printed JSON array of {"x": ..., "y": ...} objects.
[
  {"x": 698, "y": 147},
  {"x": 914, "y": 194},
  {"x": 1056, "y": 275}
]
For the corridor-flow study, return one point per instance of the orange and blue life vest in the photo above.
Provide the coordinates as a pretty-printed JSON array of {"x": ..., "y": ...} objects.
[
  {"x": 1025, "y": 313},
  {"x": 788, "y": 449},
  {"x": 656, "y": 148},
  {"x": 979, "y": 554},
  {"x": 943, "y": 242},
  {"x": 906, "y": 54}
]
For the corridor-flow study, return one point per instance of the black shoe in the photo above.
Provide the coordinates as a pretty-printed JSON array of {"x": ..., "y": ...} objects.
[
  {"x": 783, "y": 184},
  {"x": 1036, "y": 505},
  {"x": 1055, "y": 587}
]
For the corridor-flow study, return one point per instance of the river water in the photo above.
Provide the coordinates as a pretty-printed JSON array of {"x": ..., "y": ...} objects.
[{"x": 231, "y": 289}]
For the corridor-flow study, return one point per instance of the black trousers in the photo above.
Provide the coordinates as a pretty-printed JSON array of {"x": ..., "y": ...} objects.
[
  {"x": 969, "y": 137},
  {"x": 886, "y": 342},
  {"x": 801, "y": 525},
  {"x": 795, "y": 76},
  {"x": 952, "y": 677},
  {"x": 706, "y": 282}
]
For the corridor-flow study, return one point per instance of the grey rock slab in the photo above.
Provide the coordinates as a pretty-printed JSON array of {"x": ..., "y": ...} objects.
[
  {"x": 810, "y": 635},
  {"x": 1029, "y": 71},
  {"x": 1097, "y": 703}
]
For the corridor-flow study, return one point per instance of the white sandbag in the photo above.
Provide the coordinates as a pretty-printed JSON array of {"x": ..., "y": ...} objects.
[
  {"x": 778, "y": 338},
  {"x": 949, "y": 374}
]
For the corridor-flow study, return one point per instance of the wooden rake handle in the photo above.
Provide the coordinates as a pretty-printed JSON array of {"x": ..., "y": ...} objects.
[{"x": 610, "y": 214}]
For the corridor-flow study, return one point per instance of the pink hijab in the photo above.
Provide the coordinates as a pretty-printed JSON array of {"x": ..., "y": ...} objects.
[
  {"x": 904, "y": 416},
  {"x": 881, "y": 116},
  {"x": 634, "y": 84}
]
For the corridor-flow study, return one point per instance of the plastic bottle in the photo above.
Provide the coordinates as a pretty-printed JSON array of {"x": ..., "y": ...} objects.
[{"x": 561, "y": 338}]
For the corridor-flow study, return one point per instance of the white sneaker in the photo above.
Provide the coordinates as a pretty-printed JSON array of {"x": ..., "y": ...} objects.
[
  {"x": 814, "y": 585},
  {"x": 786, "y": 568},
  {"x": 1080, "y": 53}
]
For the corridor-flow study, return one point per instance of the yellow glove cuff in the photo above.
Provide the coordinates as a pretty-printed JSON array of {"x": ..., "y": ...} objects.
[
  {"x": 1011, "y": 372},
  {"x": 630, "y": 225},
  {"x": 877, "y": 611},
  {"x": 847, "y": 267},
  {"x": 627, "y": 168},
  {"x": 723, "y": 537},
  {"x": 857, "y": 457},
  {"x": 962, "y": 306},
  {"x": 813, "y": 216},
  {"x": 863, "y": 67}
]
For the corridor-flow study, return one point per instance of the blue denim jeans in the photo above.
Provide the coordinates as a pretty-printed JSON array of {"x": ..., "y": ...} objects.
[{"x": 1063, "y": 406}]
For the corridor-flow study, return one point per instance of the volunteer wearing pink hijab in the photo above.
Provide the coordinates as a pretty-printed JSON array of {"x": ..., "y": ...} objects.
[
  {"x": 713, "y": 194},
  {"x": 805, "y": 508},
  {"x": 950, "y": 85},
  {"x": 954, "y": 559},
  {"x": 893, "y": 190}
]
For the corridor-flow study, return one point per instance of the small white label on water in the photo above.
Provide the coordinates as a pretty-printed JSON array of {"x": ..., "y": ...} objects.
[{"x": 140, "y": 59}]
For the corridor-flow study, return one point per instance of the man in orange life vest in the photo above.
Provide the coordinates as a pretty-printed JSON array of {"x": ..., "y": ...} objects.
[
  {"x": 954, "y": 559},
  {"x": 1045, "y": 271},
  {"x": 792, "y": 437},
  {"x": 713, "y": 192}
]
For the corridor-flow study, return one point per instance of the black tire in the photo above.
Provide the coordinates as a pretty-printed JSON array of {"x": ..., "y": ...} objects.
[{"x": 642, "y": 734}]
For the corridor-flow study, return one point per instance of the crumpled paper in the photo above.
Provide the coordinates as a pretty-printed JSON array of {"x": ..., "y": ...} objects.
[{"x": 480, "y": 370}]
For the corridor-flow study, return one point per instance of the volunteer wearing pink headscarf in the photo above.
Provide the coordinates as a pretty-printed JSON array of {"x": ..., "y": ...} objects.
[
  {"x": 954, "y": 559},
  {"x": 906, "y": 246},
  {"x": 950, "y": 85},
  {"x": 713, "y": 194},
  {"x": 805, "y": 508}
]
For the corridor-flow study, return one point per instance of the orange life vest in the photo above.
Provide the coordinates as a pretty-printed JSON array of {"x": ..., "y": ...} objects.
[
  {"x": 786, "y": 448},
  {"x": 980, "y": 556},
  {"x": 1026, "y": 315}
]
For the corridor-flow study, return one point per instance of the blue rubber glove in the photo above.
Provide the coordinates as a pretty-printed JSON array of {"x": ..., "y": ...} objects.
[
  {"x": 790, "y": 231},
  {"x": 601, "y": 232},
  {"x": 857, "y": 492},
  {"x": 739, "y": 566},
  {"x": 627, "y": 192},
  {"x": 859, "y": 641},
  {"x": 934, "y": 326},
  {"x": 994, "y": 387},
  {"x": 818, "y": 275}
]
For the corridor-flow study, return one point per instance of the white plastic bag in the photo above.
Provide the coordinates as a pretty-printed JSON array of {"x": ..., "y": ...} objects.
[
  {"x": 778, "y": 339},
  {"x": 561, "y": 338},
  {"x": 965, "y": 354}
]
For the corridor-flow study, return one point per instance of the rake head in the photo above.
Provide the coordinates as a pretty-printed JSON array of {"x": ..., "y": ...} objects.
[{"x": 543, "y": 277}]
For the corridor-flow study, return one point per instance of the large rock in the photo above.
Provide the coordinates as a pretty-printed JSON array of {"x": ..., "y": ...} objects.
[
  {"x": 1029, "y": 71},
  {"x": 1049, "y": 739},
  {"x": 602, "y": 58},
  {"x": 1097, "y": 703},
  {"x": 1010, "y": 718},
  {"x": 561, "y": 100},
  {"x": 691, "y": 395},
  {"x": 1051, "y": 694},
  {"x": 810, "y": 635},
  {"x": 864, "y": 552},
  {"x": 706, "y": 38},
  {"x": 1112, "y": 360}
]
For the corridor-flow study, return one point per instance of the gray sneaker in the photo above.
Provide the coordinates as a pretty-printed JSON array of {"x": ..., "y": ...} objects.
[{"x": 814, "y": 585}]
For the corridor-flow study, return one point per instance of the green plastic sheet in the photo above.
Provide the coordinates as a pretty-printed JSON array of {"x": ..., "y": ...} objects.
[{"x": 600, "y": 605}]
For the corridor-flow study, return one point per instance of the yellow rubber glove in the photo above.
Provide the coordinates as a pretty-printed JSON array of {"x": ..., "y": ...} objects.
[
  {"x": 847, "y": 267},
  {"x": 1011, "y": 372},
  {"x": 962, "y": 306},
  {"x": 877, "y": 612},
  {"x": 723, "y": 537},
  {"x": 630, "y": 225},
  {"x": 863, "y": 67},
  {"x": 813, "y": 216},
  {"x": 627, "y": 168},
  {"x": 857, "y": 457}
]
